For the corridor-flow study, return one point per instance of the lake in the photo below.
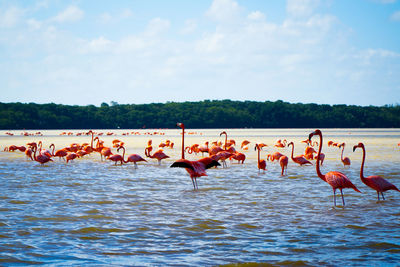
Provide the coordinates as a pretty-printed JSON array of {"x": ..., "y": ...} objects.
[{"x": 91, "y": 212}]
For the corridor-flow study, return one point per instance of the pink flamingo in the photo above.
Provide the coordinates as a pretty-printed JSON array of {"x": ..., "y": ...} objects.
[
  {"x": 195, "y": 168},
  {"x": 159, "y": 155},
  {"x": 280, "y": 143},
  {"x": 240, "y": 157},
  {"x": 345, "y": 160},
  {"x": 336, "y": 180},
  {"x": 299, "y": 159},
  {"x": 133, "y": 158},
  {"x": 60, "y": 153},
  {"x": 41, "y": 158},
  {"x": 283, "y": 161},
  {"x": 117, "y": 157},
  {"x": 274, "y": 156},
  {"x": 261, "y": 163},
  {"x": 375, "y": 182},
  {"x": 71, "y": 156}
]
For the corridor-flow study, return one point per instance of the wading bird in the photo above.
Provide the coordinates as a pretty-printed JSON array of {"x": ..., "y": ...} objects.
[
  {"x": 375, "y": 182},
  {"x": 346, "y": 161},
  {"x": 336, "y": 180},
  {"x": 299, "y": 159},
  {"x": 261, "y": 163},
  {"x": 195, "y": 168}
]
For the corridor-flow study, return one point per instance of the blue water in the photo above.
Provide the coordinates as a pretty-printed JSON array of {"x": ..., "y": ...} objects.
[{"x": 91, "y": 212}]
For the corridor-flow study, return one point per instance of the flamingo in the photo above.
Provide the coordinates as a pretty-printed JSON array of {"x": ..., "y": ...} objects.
[
  {"x": 375, "y": 182},
  {"x": 280, "y": 143},
  {"x": 261, "y": 164},
  {"x": 71, "y": 156},
  {"x": 41, "y": 158},
  {"x": 321, "y": 158},
  {"x": 240, "y": 157},
  {"x": 274, "y": 156},
  {"x": 244, "y": 144},
  {"x": 283, "y": 161},
  {"x": 60, "y": 153},
  {"x": 194, "y": 168},
  {"x": 133, "y": 158},
  {"x": 117, "y": 157},
  {"x": 159, "y": 154},
  {"x": 87, "y": 148},
  {"x": 299, "y": 159},
  {"x": 336, "y": 180},
  {"x": 346, "y": 161}
]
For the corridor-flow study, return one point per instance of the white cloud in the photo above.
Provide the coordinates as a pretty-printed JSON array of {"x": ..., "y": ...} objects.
[
  {"x": 223, "y": 10},
  {"x": 189, "y": 27},
  {"x": 395, "y": 16},
  {"x": 157, "y": 26},
  {"x": 10, "y": 17},
  {"x": 115, "y": 17},
  {"x": 301, "y": 8},
  {"x": 34, "y": 24},
  {"x": 256, "y": 15},
  {"x": 98, "y": 45},
  {"x": 70, "y": 14}
]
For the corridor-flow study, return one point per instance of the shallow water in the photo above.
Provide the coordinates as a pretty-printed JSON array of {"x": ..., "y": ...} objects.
[{"x": 91, "y": 212}]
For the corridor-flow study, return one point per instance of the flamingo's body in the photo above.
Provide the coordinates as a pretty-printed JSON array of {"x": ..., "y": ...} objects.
[
  {"x": 283, "y": 161},
  {"x": 261, "y": 163},
  {"x": 346, "y": 161},
  {"x": 159, "y": 155},
  {"x": 274, "y": 156},
  {"x": 336, "y": 180},
  {"x": 134, "y": 158},
  {"x": 195, "y": 168},
  {"x": 240, "y": 157},
  {"x": 376, "y": 182},
  {"x": 299, "y": 159},
  {"x": 41, "y": 158},
  {"x": 71, "y": 156}
]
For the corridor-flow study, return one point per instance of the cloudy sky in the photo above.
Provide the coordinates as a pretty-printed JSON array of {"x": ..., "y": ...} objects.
[{"x": 82, "y": 52}]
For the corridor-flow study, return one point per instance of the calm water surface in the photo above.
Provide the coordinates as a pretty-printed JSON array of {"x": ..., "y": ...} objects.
[{"x": 90, "y": 212}]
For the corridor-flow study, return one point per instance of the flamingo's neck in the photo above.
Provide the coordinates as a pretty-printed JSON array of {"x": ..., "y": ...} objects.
[
  {"x": 183, "y": 143},
  {"x": 362, "y": 164},
  {"x": 341, "y": 157},
  {"x": 320, "y": 175},
  {"x": 292, "y": 150}
]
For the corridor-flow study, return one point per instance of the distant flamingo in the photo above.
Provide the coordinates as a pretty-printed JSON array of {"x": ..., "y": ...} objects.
[
  {"x": 283, "y": 161},
  {"x": 28, "y": 153},
  {"x": 194, "y": 168},
  {"x": 240, "y": 157},
  {"x": 244, "y": 145},
  {"x": 321, "y": 158},
  {"x": 118, "y": 158},
  {"x": 299, "y": 159},
  {"x": 71, "y": 156},
  {"x": 345, "y": 160},
  {"x": 336, "y": 180},
  {"x": 133, "y": 158},
  {"x": 60, "y": 153},
  {"x": 159, "y": 155},
  {"x": 375, "y": 182},
  {"x": 105, "y": 152},
  {"x": 274, "y": 156},
  {"x": 41, "y": 158},
  {"x": 280, "y": 143},
  {"x": 261, "y": 163}
]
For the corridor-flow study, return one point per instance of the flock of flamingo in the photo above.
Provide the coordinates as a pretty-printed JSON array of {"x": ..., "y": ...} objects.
[{"x": 217, "y": 153}]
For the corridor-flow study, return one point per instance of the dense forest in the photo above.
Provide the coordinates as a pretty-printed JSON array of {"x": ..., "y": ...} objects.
[{"x": 203, "y": 114}]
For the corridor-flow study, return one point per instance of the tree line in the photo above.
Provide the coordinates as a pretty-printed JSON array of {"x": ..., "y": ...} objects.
[{"x": 202, "y": 114}]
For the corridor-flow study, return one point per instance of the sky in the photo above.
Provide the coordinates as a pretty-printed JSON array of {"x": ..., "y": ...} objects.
[{"x": 86, "y": 52}]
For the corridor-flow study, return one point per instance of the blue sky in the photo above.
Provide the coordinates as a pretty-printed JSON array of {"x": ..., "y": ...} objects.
[{"x": 133, "y": 52}]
